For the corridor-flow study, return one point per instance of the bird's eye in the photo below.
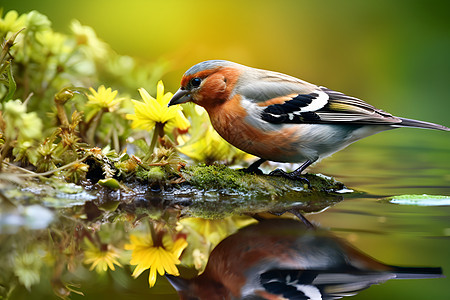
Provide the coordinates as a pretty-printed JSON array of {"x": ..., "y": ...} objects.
[{"x": 195, "y": 82}]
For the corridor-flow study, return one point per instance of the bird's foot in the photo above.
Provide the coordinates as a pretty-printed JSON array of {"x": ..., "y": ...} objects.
[
  {"x": 299, "y": 215},
  {"x": 250, "y": 170},
  {"x": 292, "y": 175},
  {"x": 296, "y": 212},
  {"x": 254, "y": 167}
]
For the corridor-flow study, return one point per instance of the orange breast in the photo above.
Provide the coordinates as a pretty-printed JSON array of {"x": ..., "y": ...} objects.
[{"x": 229, "y": 121}]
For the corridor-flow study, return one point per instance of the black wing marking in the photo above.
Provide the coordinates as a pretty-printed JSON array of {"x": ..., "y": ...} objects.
[
  {"x": 291, "y": 284},
  {"x": 300, "y": 109},
  {"x": 320, "y": 284},
  {"x": 334, "y": 107}
]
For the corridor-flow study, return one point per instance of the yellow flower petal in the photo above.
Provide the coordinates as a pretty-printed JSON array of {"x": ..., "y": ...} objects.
[
  {"x": 152, "y": 277},
  {"x": 160, "y": 91},
  {"x": 152, "y": 111},
  {"x": 101, "y": 259},
  {"x": 103, "y": 98},
  {"x": 178, "y": 247},
  {"x": 159, "y": 259}
]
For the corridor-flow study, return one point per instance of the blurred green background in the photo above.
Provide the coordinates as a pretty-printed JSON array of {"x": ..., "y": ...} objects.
[{"x": 393, "y": 54}]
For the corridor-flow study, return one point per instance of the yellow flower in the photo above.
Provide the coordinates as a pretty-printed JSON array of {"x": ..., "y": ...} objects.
[
  {"x": 101, "y": 259},
  {"x": 161, "y": 258},
  {"x": 209, "y": 148},
  {"x": 104, "y": 98},
  {"x": 12, "y": 22},
  {"x": 53, "y": 42},
  {"x": 153, "y": 111},
  {"x": 87, "y": 38},
  {"x": 206, "y": 145},
  {"x": 20, "y": 124}
]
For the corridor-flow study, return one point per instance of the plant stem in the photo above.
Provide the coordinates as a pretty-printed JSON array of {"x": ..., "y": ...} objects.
[
  {"x": 92, "y": 130},
  {"x": 153, "y": 142},
  {"x": 33, "y": 174},
  {"x": 62, "y": 115},
  {"x": 4, "y": 151},
  {"x": 152, "y": 232},
  {"x": 159, "y": 131}
]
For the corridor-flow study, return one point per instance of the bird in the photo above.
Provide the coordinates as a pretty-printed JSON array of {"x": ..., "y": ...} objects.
[
  {"x": 281, "y": 258},
  {"x": 281, "y": 118}
]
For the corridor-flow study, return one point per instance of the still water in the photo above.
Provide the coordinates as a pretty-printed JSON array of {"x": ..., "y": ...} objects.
[{"x": 401, "y": 235}]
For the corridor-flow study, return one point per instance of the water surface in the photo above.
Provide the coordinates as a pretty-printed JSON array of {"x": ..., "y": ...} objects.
[{"x": 382, "y": 166}]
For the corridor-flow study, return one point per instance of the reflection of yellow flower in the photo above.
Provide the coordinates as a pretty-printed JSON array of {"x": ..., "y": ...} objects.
[
  {"x": 200, "y": 259},
  {"x": 216, "y": 230},
  {"x": 101, "y": 259},
  {"x": 153, "y": 111},
  {"x": 147, "y": 254},
  {"x": 104, "y": 98}
]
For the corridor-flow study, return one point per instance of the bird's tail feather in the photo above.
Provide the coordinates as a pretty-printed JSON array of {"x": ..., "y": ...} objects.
[
  {"x": 417, "y": 273},
  {"x": 420, "y": 124}
]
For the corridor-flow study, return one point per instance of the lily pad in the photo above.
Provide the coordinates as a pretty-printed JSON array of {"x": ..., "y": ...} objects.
[{"x": 420, "y": 200}]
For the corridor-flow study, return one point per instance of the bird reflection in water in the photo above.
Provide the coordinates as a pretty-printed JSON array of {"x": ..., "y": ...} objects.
[{"x": 283, "y": 259}]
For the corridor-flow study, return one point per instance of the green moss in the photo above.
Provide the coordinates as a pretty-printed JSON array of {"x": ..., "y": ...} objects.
[
  {"x": 152, "y": 174},
  {"x": 216, "y": 177},
  {"x": 222, "y": 178},
  {"x": 218, "y": 191},
  {"x": 156, "y": 174}
]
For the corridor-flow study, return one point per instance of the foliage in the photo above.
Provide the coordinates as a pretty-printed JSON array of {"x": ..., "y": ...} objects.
[
  {"x": 55, "y": 107},
  {"x": 67, "y": 117}
]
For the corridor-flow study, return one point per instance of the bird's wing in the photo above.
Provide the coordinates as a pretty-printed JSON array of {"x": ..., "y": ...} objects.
[
  {"x": 310, "y": 284},
  {"x": 286, "y": 99}
]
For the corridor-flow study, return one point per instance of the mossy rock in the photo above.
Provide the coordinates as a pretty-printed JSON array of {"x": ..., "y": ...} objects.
[
  {"x": 210, "y": 192},
  {"x": 224, "y": 179},
  {"x": 217, "y": 191}
]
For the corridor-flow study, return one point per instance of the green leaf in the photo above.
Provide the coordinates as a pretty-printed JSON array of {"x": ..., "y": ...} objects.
[
  {"x": 109, "y": 182},
  {"x": 11, "y": 84}
]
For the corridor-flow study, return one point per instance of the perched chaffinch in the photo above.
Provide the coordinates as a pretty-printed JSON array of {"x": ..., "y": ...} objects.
[
  {"x": 283, "y": 259},
  {"x": 281, "y": 118}
]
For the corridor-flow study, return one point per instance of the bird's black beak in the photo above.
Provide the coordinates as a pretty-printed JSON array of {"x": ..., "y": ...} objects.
[
  {"x": 181, "y": 96},
  {"x": 178, "y": 283}
]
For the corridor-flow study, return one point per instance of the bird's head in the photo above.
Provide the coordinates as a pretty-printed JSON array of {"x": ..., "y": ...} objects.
[{"x": 208, "y": 83}]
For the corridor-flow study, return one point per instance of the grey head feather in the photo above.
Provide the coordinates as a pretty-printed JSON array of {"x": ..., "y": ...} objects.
[
  {"x": 209, "y": 64},
  {"x": 260, "y": 85}
]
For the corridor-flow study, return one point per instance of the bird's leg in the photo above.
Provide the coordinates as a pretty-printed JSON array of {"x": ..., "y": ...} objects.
[
  {"x": 254, "y": 167},
  {"x": 299, "y": 170},
  {"x": 294, "y": 175},
  {"x": 295, "y": 211},
  {"x": 299, "y": 215}
]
